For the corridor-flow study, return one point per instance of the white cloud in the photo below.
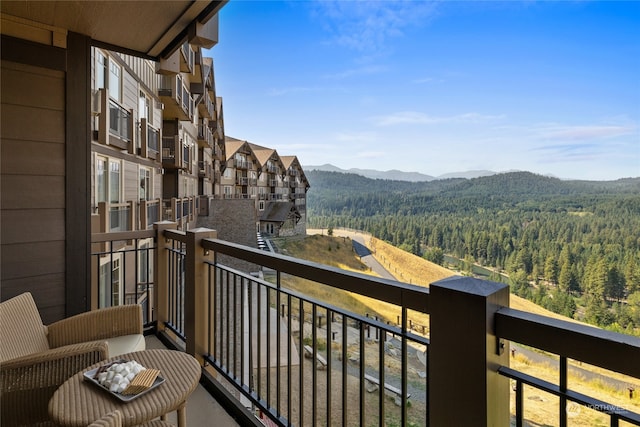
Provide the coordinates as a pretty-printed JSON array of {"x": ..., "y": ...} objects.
[
  {"x": 585, "y": 132},
  {"x": 371, "y": 154},
  {"x": 367, "y": 25},
  {"x": 293, "y": 89},
  {"x": 415, "y": 117},
  {"x": 355, "y": 137},
  {"x": 358, "y": 71}
]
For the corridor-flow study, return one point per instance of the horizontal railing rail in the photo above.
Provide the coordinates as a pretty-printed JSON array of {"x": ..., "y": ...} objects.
[
  {"x": 262, "y": 332},
  {"x": 569, "y": 340}
]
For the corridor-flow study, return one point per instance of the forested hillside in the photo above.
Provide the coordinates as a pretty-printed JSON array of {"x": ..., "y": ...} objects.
[{"x": 571, "y": 246}]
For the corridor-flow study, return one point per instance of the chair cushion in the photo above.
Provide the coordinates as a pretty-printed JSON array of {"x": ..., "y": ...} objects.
[
  {"x": 22, "y": 332},
  {"x": 125, "y": 344}
]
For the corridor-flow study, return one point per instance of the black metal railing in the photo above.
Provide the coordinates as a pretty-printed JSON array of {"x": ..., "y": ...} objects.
[
  {"x": 176, "y": 287},
  {"x": 620, "y": 353},
  {"x": 153, "y": 139},
  {"x": 361, "y": 369},
  {"x": 119, "y": 121},
  {"x": 299, "y": 358},
  {"x": 125, "y": 261}
]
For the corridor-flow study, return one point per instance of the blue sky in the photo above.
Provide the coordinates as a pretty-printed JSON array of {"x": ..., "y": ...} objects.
[{"x": 551, "y": 87}]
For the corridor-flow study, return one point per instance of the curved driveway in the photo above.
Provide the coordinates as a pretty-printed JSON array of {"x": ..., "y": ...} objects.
[{"x": 360, "y": 242}]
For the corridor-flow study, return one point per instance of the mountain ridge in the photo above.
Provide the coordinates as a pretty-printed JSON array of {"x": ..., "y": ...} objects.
[{"x": 398, "y": 175}]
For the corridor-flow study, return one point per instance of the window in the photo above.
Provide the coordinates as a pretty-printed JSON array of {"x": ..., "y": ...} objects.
[
  {"x": 228, "y": 173},
  {"x": 145, "y": 184},
  {"x": 261, "y": 205},
  {"x": 145, "y": 263},
  {"x": 144, "y": 107},
  {"x": 101, "y": 71},
  {"x": 114, "y": 81},
  {"x": 110, "y": 293},
  {"x": 114, "y": 181},
  {"x": 101, "y": 179}
]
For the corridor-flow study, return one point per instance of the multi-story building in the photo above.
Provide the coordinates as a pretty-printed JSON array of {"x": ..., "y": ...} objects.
[
  {"x": 296, "y": 185},
  {"x": 278, "y": 189},
  {"x": 155, "y": 140}
]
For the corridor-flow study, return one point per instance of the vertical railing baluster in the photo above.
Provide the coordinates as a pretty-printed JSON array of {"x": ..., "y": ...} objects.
[
  {"x": 314, "y": 370},
  {"x": 362, "y": 367},
  {"x": 251, "y": 332},
  {"x": 242, "y": 326},
  {"x": 230, "y": 278},
  {"x": 519, "y": 404},
  {"x": 329, "y": 389},
  {"x": 562, "y": 367},
  {"x": 278, "y": 332},
  {"x": 345, "y": 378},
  {"x": 404, "y": 369},
  {"x": 268, "y": 347},
  {"x": 289, "y": 359},
  {"x": 381, "y": 420},
  {"x": 301, "y": 393},
  {"x": 259, "y": 338},
  {"x": 216, "y": 306},
  {"x": 234, "y": 327}
]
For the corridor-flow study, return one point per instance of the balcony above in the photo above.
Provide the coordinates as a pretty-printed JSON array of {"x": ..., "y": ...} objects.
[
  {"x": 115, "y": 122},
  {"x": 149, "y": 141},
  {"x": 206, "y": 108},
  {"x": 177, "y": 100},
  {"x": 205, "y": 136}
]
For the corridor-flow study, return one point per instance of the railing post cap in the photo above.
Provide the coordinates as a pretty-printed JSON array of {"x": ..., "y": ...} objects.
[
  {"x": 469, "y": 285},
  {"x": 200, "y": 230}
]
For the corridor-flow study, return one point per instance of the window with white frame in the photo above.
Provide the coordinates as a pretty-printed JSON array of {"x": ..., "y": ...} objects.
[
  {"x": 101, "y": 179},
  {"x": 101, "y": 70},
  {"x": 115, "y": 81},
  {"x": 144, "y": 107},
  {"x": 114, "y": 181},
  {"x": 145, "y": 184}
]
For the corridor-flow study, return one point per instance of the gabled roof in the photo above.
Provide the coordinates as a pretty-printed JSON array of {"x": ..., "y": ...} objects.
[
  {"x": 293, "y": 162},
  {"x": 148, "y": 29},
  {"x": 264, "y": 154},
  {"x": 233, "y": 145},
  {"x": 280, "y": 212}
]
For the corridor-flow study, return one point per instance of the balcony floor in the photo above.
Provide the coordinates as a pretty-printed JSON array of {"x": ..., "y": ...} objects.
[{"x": 202, "y": 408}]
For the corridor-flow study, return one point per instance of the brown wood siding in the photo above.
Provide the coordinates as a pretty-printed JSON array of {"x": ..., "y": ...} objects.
[{"x": 32, "y": 196}]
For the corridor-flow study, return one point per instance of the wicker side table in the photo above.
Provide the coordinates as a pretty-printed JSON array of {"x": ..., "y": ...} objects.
[{"x": 78, "y": 402}]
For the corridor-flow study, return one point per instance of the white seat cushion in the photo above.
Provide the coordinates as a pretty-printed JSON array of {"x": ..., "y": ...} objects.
[{"x": 126, "y": 344}]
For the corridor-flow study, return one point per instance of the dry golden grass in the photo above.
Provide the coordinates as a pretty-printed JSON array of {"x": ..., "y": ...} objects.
[
  {"x": 405, "y": 266},
  {"x": 543, "y": 408},
  {"x": 338, "y": 252},
  {"x": 540, "y": 408}
]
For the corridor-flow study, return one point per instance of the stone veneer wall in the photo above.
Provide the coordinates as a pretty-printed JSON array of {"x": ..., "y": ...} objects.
[{"x": 235, "y": 221}]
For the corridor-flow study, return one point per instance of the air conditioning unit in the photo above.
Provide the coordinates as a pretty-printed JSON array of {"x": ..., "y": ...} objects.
[
  {"x": 96, "y": 102},
  {"x": 159, "y": 105}
]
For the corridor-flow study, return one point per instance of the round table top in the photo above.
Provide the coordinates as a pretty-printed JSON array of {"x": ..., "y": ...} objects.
[{"x": 78, "y": 402}]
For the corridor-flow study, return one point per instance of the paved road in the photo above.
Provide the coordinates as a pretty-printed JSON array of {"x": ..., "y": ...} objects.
[{"x": 360, "y": 242}]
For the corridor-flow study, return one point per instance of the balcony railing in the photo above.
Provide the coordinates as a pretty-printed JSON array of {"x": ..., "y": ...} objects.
[
  {"x": 205, "y": 136},
  {"x": 115, "y": 123},
  {"x": 115, "y": 216},
  {"x": 176, "y": 97},
  {"x": 149, "y": 140},
  {"x": 246, "y": 316},
  {"x": 149, "y": 213}
]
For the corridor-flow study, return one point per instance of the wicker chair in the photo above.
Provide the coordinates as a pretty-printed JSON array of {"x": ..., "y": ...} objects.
[
  {"x": 114, "y": 419},
  {"x": 36, "y": 359}
]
